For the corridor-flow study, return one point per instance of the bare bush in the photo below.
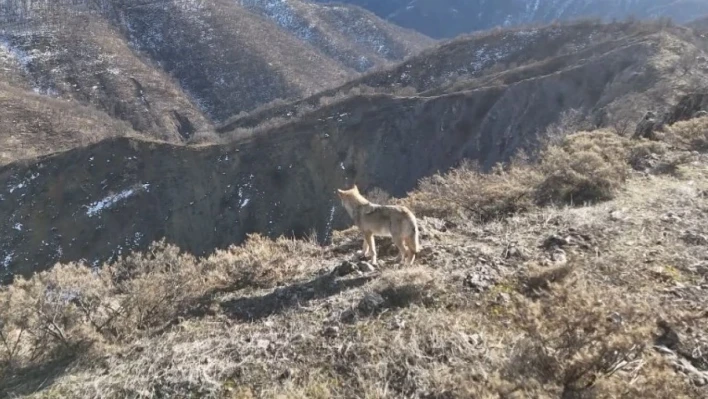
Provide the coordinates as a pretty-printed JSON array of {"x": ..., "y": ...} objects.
[
  {"x": 691, "y": 134},
  {"x": 68, "y": 309},
  {"x": 574, "y": 338},
  {"x": 586, "y": 167},
  {"x": 569, "y": 122},
  {"x": 466, "y": 190},
  {"x": 641, "y": 151},
  {"x": 259, "y": 262}
]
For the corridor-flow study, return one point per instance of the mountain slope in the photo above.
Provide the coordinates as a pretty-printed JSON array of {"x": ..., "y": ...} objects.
[
  {"x": 593, "y": 301},
  {"x": 351, "y": 35},
  {"x": 476, "y": 58},
  {"x": 76, "y": 205},
  {"x": 230, "y": 56},
  {"x": 448, "y": 18},
  {"x": 92, "y": 64},
  {"x": 32, "y": 125},
  {"x": 172, "y": 68}
]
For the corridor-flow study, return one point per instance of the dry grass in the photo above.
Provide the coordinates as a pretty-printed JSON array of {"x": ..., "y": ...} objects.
[
  {"x": 466, "y": 190},
  {"x": 582, "y": 167},
  {"x": 586, "y": 167},
  {"x": 691, "y": 134},
  {"x": 597, "y": 301},
  {"x": 74, "y": 306}
]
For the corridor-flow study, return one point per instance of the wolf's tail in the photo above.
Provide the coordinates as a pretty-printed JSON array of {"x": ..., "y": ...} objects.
[
  {"x": 416, "y": 234},
  {"x": 416, "y": 240}
]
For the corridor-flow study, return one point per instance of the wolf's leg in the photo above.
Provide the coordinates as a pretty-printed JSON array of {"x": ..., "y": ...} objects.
[
  {"x": 411, "y": 245},
  {"x": 402, "y": 251},
  {"x": 369, "y": 237},
  {"x": 365, "y": 250}
]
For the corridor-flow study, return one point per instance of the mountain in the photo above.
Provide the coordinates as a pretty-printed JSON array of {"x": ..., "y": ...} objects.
[
  {"x": 171, "y": 69},
  {"x": 449, "y": 18},
  {"x": 92, "y": 64},
  {"x": 121, "y": 194},
  {"x": 468, "y": 60},
  {"x": 351, "y": 35},
  {"x": 542, "y": 298},
  {"x": 34, "y": 125}
]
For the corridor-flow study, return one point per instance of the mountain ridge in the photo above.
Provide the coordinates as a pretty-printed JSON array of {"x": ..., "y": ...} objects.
[{"x": 449, "y": 18}]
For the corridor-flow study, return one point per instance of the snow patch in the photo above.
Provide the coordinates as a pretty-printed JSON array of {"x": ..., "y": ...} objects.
[
  {"x": 24, "y": 59},
  {"x": 98, "y": 206},
  {"x": 330, "y": 221},
  {"x": 7, "y": 260},
  {"x": 137, "y": 238},
  {"x": 23, "y": 184}
]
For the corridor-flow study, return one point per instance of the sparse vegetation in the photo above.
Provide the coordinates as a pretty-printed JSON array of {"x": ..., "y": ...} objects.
[
  {"x": 576, "y": 271},
  {"x": 691, "y": 134},
  {"x": 607, "y": 305},
  {"x": 583, "y": 167}
]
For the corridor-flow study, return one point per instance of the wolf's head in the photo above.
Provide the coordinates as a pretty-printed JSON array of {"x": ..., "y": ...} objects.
[{"x": 351, "y": 199}]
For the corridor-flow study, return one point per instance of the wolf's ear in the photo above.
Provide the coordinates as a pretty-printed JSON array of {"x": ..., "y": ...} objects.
[{"x": 355, "y": 188}]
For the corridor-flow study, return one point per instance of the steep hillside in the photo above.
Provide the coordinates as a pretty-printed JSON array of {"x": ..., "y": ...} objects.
[
  {"x": 516, "y": 57},
  {"x": 350, "y": 35},
  {"x": 118, "y": 195},
  {"x": 172, "y": 68},
  {"x": 92, "y": 64},
  {"x": 232, "y": 56},
  {"x": 449, "y": 18},
  {"x": 33, "y": 125},
  {"x": 535, "y": 300},
  {"x": 699, "y": 24}
]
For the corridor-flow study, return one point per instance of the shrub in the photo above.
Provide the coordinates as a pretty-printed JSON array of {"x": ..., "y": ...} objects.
[
  {"x": 576, "y": 339},
  {"x": 570, "y": 121},
  {"x": 379, "y": 196},
  {"x": 466, "y": 190},
  {"x": 46, "y": 316},
  {"x": 586, "y": 167},
  {"x": 71, "y": 307},
  {"x": 691, "y": 134},
  {"x": 259, "y": 262}
]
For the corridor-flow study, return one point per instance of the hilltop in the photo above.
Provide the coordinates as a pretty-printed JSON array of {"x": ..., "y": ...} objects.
[
  {"x": 449, "y": 18},
  {"x": 119, "y": 195},
  {"x": 520, "y": 291},
  {"x": 172, "y": 69}
]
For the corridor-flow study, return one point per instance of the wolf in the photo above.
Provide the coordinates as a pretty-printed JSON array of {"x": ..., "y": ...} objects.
[{"x": 397, "y": 222}]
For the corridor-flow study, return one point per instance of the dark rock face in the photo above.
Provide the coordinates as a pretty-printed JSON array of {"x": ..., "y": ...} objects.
[{"x": 449, "y": 18}]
